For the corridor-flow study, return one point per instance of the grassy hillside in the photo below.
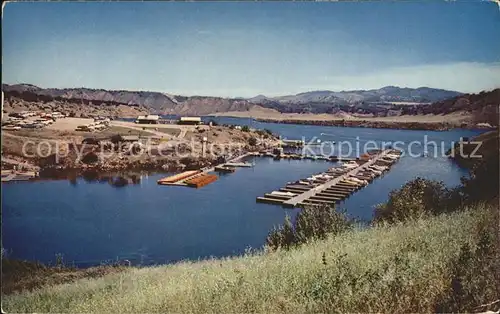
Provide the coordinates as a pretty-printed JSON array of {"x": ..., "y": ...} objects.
[
  {"x": 407, "y": 267},
  {"x": 482, "y": 106}
]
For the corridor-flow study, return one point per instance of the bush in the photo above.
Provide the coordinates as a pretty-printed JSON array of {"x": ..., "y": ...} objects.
[
  {"x": 264, "y": 133},
  {"x": 252, "y": 141},
  {"x": 483, "y": 182},
  {"x": 245, "y": 128},
  {"x": 90, "y": 158},
  {"x": 473, "y": 282},
  {"x": 312, "y": 223},
  {"x": 115, "y": 139},
  {"x": 417, "y": 198}
]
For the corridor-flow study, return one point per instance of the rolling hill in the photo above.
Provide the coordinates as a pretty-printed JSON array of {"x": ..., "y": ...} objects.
[{"x": 316, "y": 101}]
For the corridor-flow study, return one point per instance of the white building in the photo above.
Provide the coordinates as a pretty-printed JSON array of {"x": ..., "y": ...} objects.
[
  {"x": 190, "y": 120},
  {"x": 149, "y": 119}
]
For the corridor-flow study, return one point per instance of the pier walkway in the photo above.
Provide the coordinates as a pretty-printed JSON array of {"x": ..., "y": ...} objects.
[{"x": 294, "y": 201}]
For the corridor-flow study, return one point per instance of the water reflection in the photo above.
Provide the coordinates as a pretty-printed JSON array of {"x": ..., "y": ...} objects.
[{"x": 115, "y": 179}]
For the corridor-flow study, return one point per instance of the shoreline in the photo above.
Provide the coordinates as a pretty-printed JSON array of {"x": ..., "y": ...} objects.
[
  {"x": 126, "y": 170},
  {"x": 460, "y": 120},
  {"x": 395, "y": 125}
]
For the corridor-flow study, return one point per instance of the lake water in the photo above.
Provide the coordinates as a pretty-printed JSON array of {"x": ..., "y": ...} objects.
[{"x": 92, "y": 222}]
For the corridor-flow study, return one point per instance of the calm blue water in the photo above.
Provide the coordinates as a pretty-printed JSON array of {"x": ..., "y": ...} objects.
[{"x": 146, "y": 223}]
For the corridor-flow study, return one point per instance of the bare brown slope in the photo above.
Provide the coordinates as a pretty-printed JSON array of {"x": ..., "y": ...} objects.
[{"x": 482, "y": 107}]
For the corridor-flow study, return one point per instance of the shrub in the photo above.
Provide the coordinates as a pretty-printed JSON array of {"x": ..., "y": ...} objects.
[
  {"x": 417, "y": 198},
  {"x": 264, "y": 133},
  {"x": 483, "y": 182},
  {"x": 245, "y": 128},
  {"x": 115, "y": 139},
  {"x": 473, "y": 282},
  {"x": 312, "y": 223},
  {"x": 90, "y": 158},
  {"x": 252, "y": 141}
]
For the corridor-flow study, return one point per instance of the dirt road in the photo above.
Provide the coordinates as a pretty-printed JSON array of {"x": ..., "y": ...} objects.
[{"x": 183, "y": 129}]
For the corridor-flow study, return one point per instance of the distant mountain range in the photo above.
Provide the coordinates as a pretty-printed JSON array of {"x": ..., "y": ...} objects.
[
  {"x": 155, "y": 102},
  {"x": 324, "y": 101},
  {"x": 315, "y": 101}
]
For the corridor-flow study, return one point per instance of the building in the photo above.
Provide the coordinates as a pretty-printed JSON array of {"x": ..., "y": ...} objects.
[
  {"x": 57, "y": 115},
  {"x": 190, "y": 120},
  {"x": 129, "y": 138},
  {"x": 149, "y": 119}
]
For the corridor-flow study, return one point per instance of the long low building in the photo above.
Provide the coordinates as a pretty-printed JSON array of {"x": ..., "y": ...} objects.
[
  {"x": 190, "y": 120},
  {"x": 149, "y": 119}
]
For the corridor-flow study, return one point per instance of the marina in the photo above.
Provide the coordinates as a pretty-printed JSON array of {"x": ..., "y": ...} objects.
[
  {"x": 335, "y": 184},
  {"x": 200, "y": 178},
  {"x": 151, "y": 223}
]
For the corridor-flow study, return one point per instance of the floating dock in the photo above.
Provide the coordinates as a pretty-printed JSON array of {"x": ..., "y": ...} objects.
[
  {"x": 193, "y": 178},
  {"x": 334, "y": 185},
  {"x": 200, "y": 181},
  {"x": 301, "y": 156},
  {"x": 238, "y": 164},
  {"x": 199, "y": 178},
  {"x": 8, "y": 176},
  {"x": 225, "y": 169},
  {"x": 178, "y": 178}
]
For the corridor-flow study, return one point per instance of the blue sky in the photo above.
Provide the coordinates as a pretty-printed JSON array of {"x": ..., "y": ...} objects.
[{"x": 249, "y": 48}]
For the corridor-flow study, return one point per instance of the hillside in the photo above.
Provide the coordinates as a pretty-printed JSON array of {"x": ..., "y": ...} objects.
[
  {"x": 488, "y": 146},
  {"x": 386, "y": 94},
  {"x": 465, "y": 111},
  {"x": 15, "y": 102},
  {"x": 376, "y": 102},
  {"x": 154, "y": 102},
  {"x": 399, "y": 268},
  {"x": 483, "y": 106}
]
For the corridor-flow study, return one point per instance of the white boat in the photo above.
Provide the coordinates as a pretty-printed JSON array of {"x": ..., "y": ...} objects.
[
  {"x": 392, "y": 156},
  {"x": 351, "y": 182},
  {"x": 283, "y": 193},
  {"x": 379, "y": 168},
  {"x": 377, "y": 172},
  {"x": 364, "y": 182},
  {"x": 350, "y": 166}
]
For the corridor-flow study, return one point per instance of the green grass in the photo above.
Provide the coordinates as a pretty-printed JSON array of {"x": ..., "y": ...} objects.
[{"x": 398, "y": 268}]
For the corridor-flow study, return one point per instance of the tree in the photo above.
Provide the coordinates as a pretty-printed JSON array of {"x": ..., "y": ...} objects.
[
  {"x": 417, "y": 198},
  {"x": 483, "y": 182},
  {"x": 90, "y": 158},
  {"x": 252, "y": 141},
  {"x": 312, "y": 222}
]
